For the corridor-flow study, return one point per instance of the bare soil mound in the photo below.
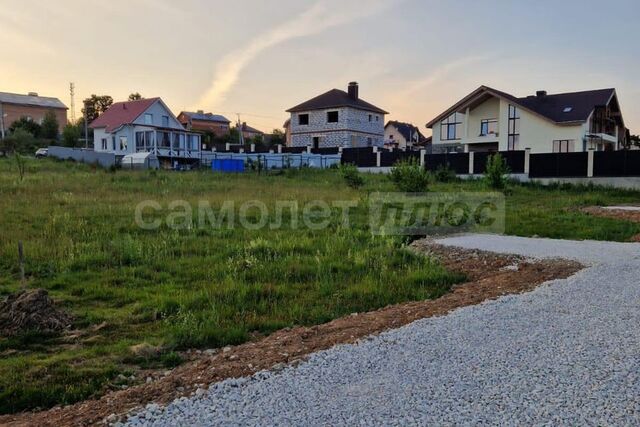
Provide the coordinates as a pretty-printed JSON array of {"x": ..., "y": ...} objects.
[{"x": 31, "y": 310}]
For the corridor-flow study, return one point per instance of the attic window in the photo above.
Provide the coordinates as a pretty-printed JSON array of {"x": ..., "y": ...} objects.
[{"x": 567, "y": 109}]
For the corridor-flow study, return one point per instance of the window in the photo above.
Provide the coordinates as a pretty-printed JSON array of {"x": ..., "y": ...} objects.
[
  {"x": 488, "y": 127},
  {"x": 194, "y": 142},
  {"x": 369, "y": 142},
  {"x": 148, "y": 119},
  {"x": 370, "y": 117},
  {"x": 303, "y": 119},
  {"x": 513, "y": 140},
  {"x": 563, "y": 146},
  {"x": 164, "y": 139},
  {"x": 165, "y": 121},
  {"x": 139, "y": 141},
  {"x": 332, "y": 116},
  {"x": 123, "y": 143},
  {"x": 149, "y": 139},
  {"x": 316, "y": 142},
  {"x": 104, "y": 144},
  {"x": 377, "y": 118},
  {"x": 451, "y": 127},
  {"x": 113, "y": 143},
  {"x": 567, "y": 109}
]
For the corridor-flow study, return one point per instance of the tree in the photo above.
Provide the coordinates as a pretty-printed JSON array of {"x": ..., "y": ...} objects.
[
  {"x": 135, "y": 96},
  {"x": 20, "y": 141},
  {"x": 26, "y": 124},
  {"x": 634, "y": 140},
  {"x": 278, "y": 137},
  {"x": 71, "y": 135},
  {"x": 50, "y": 127},
  {"x": 96, "y": 105}
]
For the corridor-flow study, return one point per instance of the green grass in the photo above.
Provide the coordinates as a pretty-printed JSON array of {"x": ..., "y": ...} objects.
[{"x": 179, "y": 289}]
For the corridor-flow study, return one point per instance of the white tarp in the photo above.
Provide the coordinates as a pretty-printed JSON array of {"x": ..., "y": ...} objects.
[{"x": 140, "y": 161}]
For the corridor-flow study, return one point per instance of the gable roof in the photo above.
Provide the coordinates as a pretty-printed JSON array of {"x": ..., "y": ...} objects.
[
  {"x": 205, "y": 117},
  {"x": 122, "y": 113},
  {"x": 247, "y": 128},
  {"x": 335, "y": 98},
  {"x": 549, "y": 107},
  {"x": 31, "y": 100},
  {"x": 406, "y": 130}
]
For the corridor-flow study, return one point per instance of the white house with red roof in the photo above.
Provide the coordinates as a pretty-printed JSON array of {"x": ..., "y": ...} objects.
[{"x": 145, "y": 125}]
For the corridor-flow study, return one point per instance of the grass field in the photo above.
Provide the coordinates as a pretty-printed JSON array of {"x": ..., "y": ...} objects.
[{"x": 205, "y": 287}]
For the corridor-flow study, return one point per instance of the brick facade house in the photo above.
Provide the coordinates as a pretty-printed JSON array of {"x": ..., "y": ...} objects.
[
  {"x": 204, "y": 122},
  {"x": 14, "y": 106},
  {"x": 337, "y": 119}
]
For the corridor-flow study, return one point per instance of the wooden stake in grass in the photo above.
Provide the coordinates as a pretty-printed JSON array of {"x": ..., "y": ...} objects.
[{"x": 21, "y": 261}]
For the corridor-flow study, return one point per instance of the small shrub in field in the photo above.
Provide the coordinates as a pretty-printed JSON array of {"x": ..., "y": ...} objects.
[
  {"x": 410, "y": 177},
  {"x": 351, "y": 176},
  {"x": 496, "y": 172},
  {"x": 444, "y": 174}
]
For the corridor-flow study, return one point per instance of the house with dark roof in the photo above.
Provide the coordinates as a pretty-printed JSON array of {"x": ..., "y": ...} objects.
[
  {"x": 249, "y": 133},
  {"x": 337, "y": 119},
  {"x": 145, "y": 125},
  {"x": 204, "y": 122},
  {"x": 491, "y": 120},
  {"x": 14, "y": 106},
  {"x": 402, "y": 135}
]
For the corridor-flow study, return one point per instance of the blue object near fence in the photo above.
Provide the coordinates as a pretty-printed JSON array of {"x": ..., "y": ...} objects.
[{"x": 227, "y": 165}]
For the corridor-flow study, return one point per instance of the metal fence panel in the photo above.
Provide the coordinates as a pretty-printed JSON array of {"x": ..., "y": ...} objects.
[{"x": 558, "y": 165}]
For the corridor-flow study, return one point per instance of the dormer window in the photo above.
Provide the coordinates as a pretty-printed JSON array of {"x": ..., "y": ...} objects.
[{"x": 567, "y": 109}]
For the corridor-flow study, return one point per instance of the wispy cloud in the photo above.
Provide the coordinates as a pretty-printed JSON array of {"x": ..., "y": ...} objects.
[{"x": 322, "y": 15}]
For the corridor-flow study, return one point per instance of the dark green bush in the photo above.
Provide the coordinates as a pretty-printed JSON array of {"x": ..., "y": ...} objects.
[
  {"x": 444, "y": 173},
  {"x": 410, "y": 177},
  {"x": 351, "y": 176},
  {"x": 497, "y": 171}
]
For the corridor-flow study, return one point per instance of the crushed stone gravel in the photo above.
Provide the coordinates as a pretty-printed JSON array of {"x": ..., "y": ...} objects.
[{"x": 564, "y": 354}]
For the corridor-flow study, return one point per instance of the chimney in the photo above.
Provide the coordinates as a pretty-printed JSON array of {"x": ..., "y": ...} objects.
[
  {"x": 200, "y": 111},
  {"x": 353, "y": 90},
  {"x": 541, "y": 93},
  {"x": 33, "y": 94}
]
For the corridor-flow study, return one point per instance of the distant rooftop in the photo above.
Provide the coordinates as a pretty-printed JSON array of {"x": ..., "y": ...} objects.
[
  {"x": 31, "y": 99},
  {"x": 336, "y": 98},
  {"x": 207, "y": 117}
]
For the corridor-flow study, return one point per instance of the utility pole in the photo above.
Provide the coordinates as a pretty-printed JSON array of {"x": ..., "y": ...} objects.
[
  {"x": 72, "y": 88},
  {"x": 240, "y": 135},
  {"x": 86, "y": 127}
]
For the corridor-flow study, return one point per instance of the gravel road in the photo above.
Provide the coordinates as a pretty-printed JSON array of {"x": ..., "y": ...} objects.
[{"x": 564, "y": 354}]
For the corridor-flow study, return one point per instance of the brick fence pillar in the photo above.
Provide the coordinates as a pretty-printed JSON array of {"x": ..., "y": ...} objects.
[
  {"x": 590, "y": 161},
  {"x": 471, "y": 157},
  {"x": 527, "y": 160}
]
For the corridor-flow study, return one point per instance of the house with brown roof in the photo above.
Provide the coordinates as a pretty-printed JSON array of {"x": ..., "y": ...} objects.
[
  {"x": 145, "y": 125},
  {"x": 14, "y": 106},
  {"x": 204, "y": 122},
  {"x": 491, "y": 120},
  {"x": 337, "y": 119}
]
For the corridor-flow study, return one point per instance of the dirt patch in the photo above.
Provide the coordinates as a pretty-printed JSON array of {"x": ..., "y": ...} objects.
[
  {"x": 33, "y": 311},
  {"x": 626, "y": 215},
  {"x": 490, "y": 276}
]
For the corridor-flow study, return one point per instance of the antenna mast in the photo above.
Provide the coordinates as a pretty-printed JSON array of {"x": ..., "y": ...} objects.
[{"x": 72, "y": 88}]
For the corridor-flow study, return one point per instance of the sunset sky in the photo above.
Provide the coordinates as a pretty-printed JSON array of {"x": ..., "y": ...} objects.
[{"x": 413, "y": 58}]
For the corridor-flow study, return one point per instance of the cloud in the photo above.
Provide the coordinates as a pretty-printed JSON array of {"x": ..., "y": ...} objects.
[{"x": 321, "y": 16}]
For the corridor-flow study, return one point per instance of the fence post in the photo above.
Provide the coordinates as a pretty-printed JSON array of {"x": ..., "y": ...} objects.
[
  {"x": 378, "y": 158},
  {"x": 591, "y": 156},
  {"x": 308, "y": 149},
  {"x": 375, "y": 149},
  {"x": 423, "y": 153},
  {"x": 340, "y": 150},
  {"x": 253, "y": 148},
  {"x": 471, "y": 157},
  {"x": 241, "y": 150},
  {"x": 279, "y": 148},
  {"x": 527, "y": 160}
]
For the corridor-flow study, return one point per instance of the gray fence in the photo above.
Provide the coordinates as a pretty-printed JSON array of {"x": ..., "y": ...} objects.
[{"x": 83, "y": 155}]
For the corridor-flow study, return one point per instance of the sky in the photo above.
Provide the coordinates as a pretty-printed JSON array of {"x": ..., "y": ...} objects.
[{"x": 413, "y": 58}]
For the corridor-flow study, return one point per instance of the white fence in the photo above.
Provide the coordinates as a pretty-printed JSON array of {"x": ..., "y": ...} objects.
[
  {"x": 277, "y": 161},
  {"x": 82, "y": 155}
]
